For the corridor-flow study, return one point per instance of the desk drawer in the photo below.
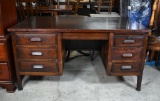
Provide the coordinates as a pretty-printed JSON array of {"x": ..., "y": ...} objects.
[
  {"x": 3, "y": 55},
  {"x": 1, "y": 29},
  {"x": 125, "y": 40},
  {"x": 125, "y": 67},
  {"x": 85, "y": 36},
  {"x": 4, "y": 72},
  {"x": 38, "y": 66},
  {"x": 126, "y": 53},
  {"x": 36, "y": 39},
  {"x": 36, "y": 53}
]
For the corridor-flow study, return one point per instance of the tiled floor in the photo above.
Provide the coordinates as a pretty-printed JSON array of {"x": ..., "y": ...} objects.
[{"x": 85, "y": 80}]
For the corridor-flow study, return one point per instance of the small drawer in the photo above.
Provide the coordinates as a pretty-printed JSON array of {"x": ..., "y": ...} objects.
[
  {"x": 36, "y": 39},
  {"x": 125, "y": 40},
  {"x": 126, "y": 53},
  {"x": 125, "y": 67},
  {"x": 36, "y": 53},
  {"x": 4, "y": 72},
  {"x": 1, "y": 29},
  {"x": 3, "y": 55},
  {"x": 38, "y": 66}
]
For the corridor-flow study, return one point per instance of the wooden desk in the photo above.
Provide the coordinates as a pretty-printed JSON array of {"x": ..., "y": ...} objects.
[
  {"x": 39, "y": 49},
  {"x": 55, "y": 9}
]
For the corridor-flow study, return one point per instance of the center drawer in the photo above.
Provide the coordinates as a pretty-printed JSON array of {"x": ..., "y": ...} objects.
[
  {"x": 36, "y": 39},
  {"x": 36, "y": 53},
  {"x": 38, "y": 66}
]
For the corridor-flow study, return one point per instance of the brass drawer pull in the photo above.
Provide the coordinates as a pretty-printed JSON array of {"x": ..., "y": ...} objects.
[
  {"x": 128, "y": 41},
  {"x": 127, "y": 55},
  {"x": 36, "y": 40},
  {"x": 37, "y": 53},
  {"x": 126, "y": 67},
  {"x": 38, "y": 66}
]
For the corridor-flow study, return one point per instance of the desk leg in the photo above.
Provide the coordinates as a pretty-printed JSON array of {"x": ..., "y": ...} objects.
[
  {"x": 19, "y": 82},
  {"x": 99, "y": 4},
  {"x": 55, "y": 13},
  {"x": 67, "y": 55},
  {"x": 157, "y": 59},
  {"x": 139, "y": 81},
  {"x": 10, "y": 88}
]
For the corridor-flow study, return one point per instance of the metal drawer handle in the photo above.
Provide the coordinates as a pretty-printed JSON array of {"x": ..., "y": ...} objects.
[
  {"x": 38, "y": 66},
  {"x": 36, "y": 40},
  {"x": 127, "y": 55},
  {"x": 128, "y": 41},
  {"x": 126, "y": 67},
  {"x": 37, "y": 53}
]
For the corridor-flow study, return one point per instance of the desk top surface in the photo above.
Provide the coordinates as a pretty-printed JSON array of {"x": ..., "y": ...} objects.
[{"x": 77, "y": 23}]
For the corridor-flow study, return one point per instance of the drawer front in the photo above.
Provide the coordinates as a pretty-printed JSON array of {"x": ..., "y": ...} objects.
[
  {"x": 36, "y": 53},
  {"x": 3, "y": 55},
  {"x": 38, "y": 66},
  {"x": 126, "y": 53},
  {"x": 124, "y": 40},
  {"x": 88, "y": 36},
  {"x": 4, "y": 72},
  {"x": 125, "y": 67},
  {"x": 36, "y": 39},
  {"x": 1, "y": 29}
]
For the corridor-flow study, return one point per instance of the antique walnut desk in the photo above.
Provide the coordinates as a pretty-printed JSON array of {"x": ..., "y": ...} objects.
[{"x": 39, "y": 44}]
